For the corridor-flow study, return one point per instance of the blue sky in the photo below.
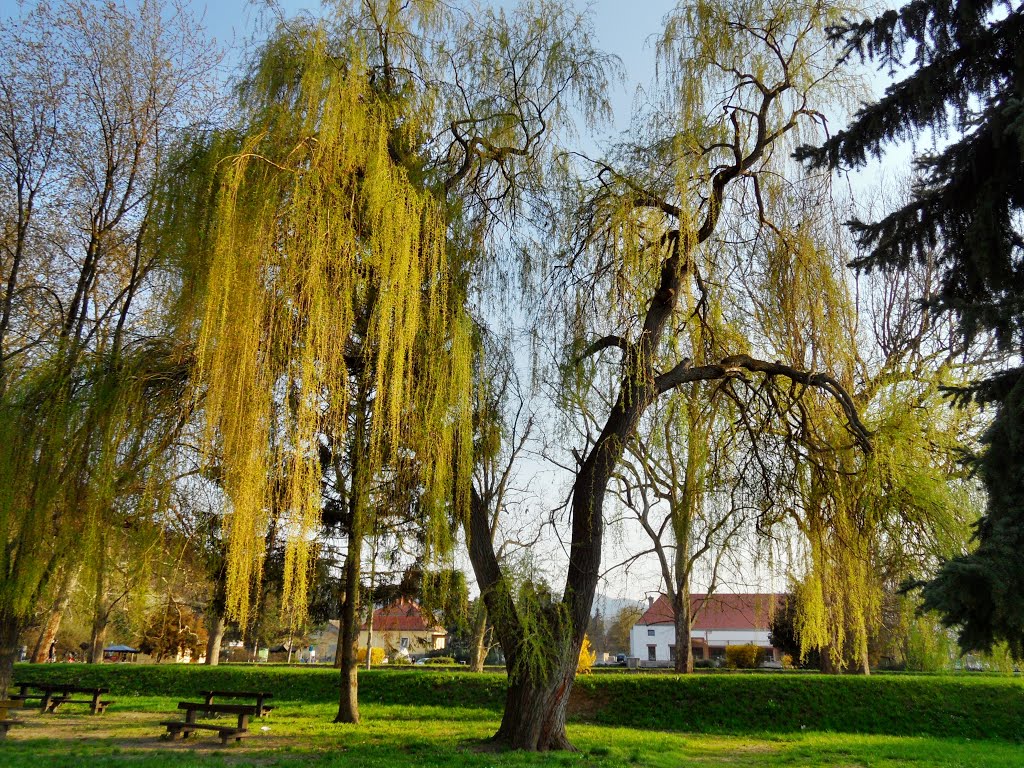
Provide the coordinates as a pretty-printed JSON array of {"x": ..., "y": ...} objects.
[{"x": 623, "y": 28}]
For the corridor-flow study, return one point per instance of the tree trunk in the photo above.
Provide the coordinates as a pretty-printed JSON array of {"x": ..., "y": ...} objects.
[
  {"x": 478, "y": 652},
  {"x": 9, "y": 631},
  {"x": 684, "y": 654},
  {"x": 339, "y": 649},
  {"x": 535, "y": 709},
  {"x": 41, "y": 652},
  {"x": 534, "y": 717},
  {"x": 348, "y": 631},
  {"x": 827, "y": 666},
  {"x": 348, "y": 642},
  {"x": 862, "y": 651},
  {"x": 535, "y": 703},
  {"x": 215, "y": 622},
  {"x": 100, "y": 608},
  {"x": 216, "y": 626},
  {"x": 369, "y": 632}
]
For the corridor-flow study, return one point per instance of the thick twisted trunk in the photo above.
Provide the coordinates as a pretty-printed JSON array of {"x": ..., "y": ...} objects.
[{"x": 535, "y": 711}]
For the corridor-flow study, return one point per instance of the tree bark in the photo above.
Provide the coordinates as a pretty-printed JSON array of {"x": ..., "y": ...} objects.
[
  {"x": 684, "y": 653},
  {"x": 348, "y": 703},
  {"x": 535, "y": 710},
  {"x": 100, "y": 608},
  {"x": 348, "y": 631},
  {"x": 478, "y": 651},
  {"x": 216, "y": 626},
  {"x": 215, "y": 622},
  {"x": 827, "y": 666},
  {"x": 10, "y": 629},
  {"x": 369, "y": 632},
  {"x": 48, "y": 634}
]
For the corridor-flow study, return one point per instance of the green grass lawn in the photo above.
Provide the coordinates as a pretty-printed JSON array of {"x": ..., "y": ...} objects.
[{"x": 449, "y": 716}]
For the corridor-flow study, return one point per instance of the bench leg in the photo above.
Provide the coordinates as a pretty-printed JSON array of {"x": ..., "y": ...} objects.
[{"x": 3, "y": 730}]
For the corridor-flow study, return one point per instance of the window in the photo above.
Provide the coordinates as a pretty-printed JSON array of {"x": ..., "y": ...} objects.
[
  {"x": 650, "y": 633},
  {"x": 698, "y": 653},
  {"x": 652, "y": 653},
  {"x": 671, "y": 653},
  {"x": 404, "y": 643}
]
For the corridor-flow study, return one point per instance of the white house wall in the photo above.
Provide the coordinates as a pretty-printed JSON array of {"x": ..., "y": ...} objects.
[
  {"x": 664, "y": 635},
  {"x": 659, "y": 635}
]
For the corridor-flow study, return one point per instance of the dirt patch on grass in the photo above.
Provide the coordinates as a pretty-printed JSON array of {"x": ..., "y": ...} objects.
[{"x": 133, "y": 731}]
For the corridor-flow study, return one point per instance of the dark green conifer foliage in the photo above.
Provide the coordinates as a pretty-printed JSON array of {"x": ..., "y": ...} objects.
[{"x": 968, "y": 203}]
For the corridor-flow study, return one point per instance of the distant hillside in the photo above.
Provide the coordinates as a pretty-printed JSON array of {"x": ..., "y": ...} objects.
[{"x": 610, "y": 606}]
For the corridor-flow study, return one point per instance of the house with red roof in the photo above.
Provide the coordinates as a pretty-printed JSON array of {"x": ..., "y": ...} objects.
[
  {"x": 403, "y": 627},
  {"x": 719, "y": 620}
]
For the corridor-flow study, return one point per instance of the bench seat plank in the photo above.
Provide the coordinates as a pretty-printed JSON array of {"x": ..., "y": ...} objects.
[
  {"x": 182, "y": 728},
  {"x": 225, "y": 709}
]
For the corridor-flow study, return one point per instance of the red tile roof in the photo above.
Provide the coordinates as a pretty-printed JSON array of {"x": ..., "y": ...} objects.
[
  {"x": 402, "y": 616},
  {"x": 720, "y": 611}
]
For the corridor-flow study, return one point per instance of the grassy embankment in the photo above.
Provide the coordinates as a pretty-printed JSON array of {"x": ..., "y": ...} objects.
[{"x": 441, "y": 718}]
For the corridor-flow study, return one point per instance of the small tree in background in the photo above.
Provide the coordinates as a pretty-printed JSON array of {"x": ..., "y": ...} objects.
[
  {"x": 173, "y": 630},
  {"x": 587, "y": 657}
]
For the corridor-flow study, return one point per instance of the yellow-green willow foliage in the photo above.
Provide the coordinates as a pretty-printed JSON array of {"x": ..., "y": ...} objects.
[
  {"x": 78, "y": 447},
  {"x": 868, "y": 521},
  {"x": 323, "y": 269}
]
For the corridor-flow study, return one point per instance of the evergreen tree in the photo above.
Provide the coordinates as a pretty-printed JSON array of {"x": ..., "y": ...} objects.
[{"x": 968, "y": 197}]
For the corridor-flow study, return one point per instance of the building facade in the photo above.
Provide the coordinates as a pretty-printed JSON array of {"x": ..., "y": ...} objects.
[
  {"x": 401, "y": 627},
  {"x": 719, "y": 620}
]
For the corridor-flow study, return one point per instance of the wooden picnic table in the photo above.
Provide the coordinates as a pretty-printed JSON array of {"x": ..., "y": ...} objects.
[
  {"x": 52, "y": 695},
  {"x": 192, "y": 709},
  {"x": 5, "y": 721},
  {"x": 259, "y": 696}
]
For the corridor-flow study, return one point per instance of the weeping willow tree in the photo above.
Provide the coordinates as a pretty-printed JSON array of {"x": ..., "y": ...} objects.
[
  {"x": 743, "y": 78},
  {"x": 90, "y": 386},
  {"x": 867, "y": 521},
  {"x": 326, "y": 309},
  {"x": 76, "y": 445}
]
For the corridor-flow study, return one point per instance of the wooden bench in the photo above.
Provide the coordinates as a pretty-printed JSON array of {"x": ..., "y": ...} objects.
[
  {"x": 259, "y": 696},
  {"x": 53, "y": 695},
  {"x": 183, "y": 728},
  {"x": 96, "y": 706},
  {"x": 5, "y": 721}
]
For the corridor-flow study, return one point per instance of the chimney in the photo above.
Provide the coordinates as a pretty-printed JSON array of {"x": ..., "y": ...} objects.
[{"x": 650, "y": 602}]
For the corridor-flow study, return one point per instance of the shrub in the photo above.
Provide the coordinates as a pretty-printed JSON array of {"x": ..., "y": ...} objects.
[
  {"x": 747, "y": 656},
  {"x": 400, "y": 659},
  {"x": 440, "y": 660},
  {"x": 376, "y": 658},
  {"x": 587, "y": 657}
]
